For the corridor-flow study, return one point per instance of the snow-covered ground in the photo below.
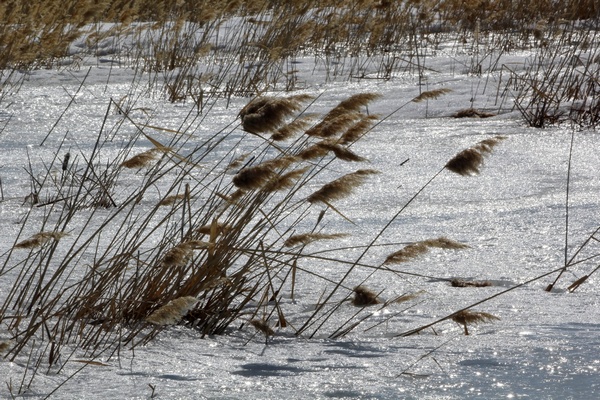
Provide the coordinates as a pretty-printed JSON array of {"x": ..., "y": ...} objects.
[{"x": 512, "y": 215}]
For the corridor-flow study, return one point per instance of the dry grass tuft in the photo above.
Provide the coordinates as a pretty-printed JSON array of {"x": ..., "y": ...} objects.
[
  {"x": 172, "y": 312},
  {"x": 364, "y": 297},
  {"x": 340, "y": 187},
  {"x": 414, "y": 250},
  {"x": 267, "y": 114},
  {"x": 141, "y": 160},
  {"x": 262, "y": 326},
  {"x": 469, "y": 161},
  {"x": 464, "y": 283},
  {"x": 39, "y": 239},
  {"x": 466, "y": 317},
  {"x": 306, "y": 238},
  {"x": 431, "y": 95}
]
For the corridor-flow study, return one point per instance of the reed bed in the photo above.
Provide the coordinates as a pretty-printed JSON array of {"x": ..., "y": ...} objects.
[{"x": 226, "y": 243}]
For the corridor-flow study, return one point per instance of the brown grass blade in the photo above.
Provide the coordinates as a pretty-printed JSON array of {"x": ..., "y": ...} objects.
[{"x": 359, "y": 129}]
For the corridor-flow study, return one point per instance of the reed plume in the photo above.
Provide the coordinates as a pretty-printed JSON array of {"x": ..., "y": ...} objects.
[
  {"x": 267, "y": 114},
  {"x": 469, "y": 161},
  {"x": 340, "y": 187},
  {"x": 431, "y": 95},
  {"x": 333, "y": 126},
  {"x": 358, "y": 130},
  {"x": 181, "y": 254},
  {"x": 285, "y": 181},
  {"x": 407, "y": 297},
  {"x": 262, "y": 326},
  {"x": 141, "y": 160},
  {"x": 4, "y": 345},
  {"x": 254, "y": 177},
  {"x": 172, "y": 312},
  {"x": 306, "y": 238},
  {"x": 39, "y": 239},
  {"x": 169, "y": 200},
  {"x": 414, "y": 250},
  {"x": 466, "y": 317},
  {"x": 464, "y": 283},
  {"x": 364, "y": 297},
  {"x": 293, "y": 128},
  {"x": 351, "y": 105}
]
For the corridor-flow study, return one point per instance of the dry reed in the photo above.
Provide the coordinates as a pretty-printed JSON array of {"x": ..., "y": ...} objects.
[
  {"x": 469, "y": 161},
  {"x": 262, "y": 326},
  {"x": 39, "y": 239},
  {"x": 340, "y": 187},
  {"x": 267, "y": 114},
  {"x": 169, "y": 200},
  {"x": 464, "y": 283},
  {"x": 141, "y": 160},
  {"x": 307, "y": 238},
  {"x": 172, "y": 312},
  {"x": 466, "y": 317},
  {"x": 364, "y": 297},
  {"x": 414, "y": 250},
  {"x": 181, "y": 254}
]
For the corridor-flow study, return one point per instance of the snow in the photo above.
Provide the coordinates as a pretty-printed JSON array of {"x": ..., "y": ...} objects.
[{"x": 512, "y": 216}]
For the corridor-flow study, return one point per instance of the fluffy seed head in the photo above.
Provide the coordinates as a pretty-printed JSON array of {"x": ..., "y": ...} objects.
[
  {"x": 364, "y": 297},
  {"x": 340, "y": 187},
  {"x": 172, "y": 312}
]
